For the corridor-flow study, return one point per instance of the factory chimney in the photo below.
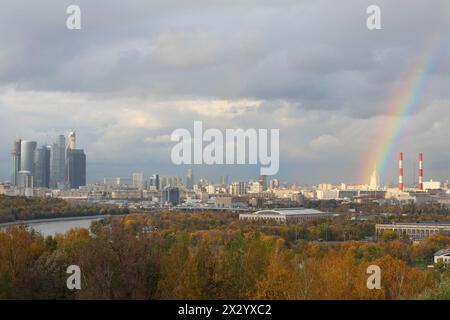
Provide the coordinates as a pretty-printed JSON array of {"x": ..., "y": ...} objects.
[{"x": 420, "y": 171}]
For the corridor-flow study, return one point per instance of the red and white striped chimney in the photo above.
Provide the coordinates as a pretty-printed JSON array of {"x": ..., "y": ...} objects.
[
  {"x": 400, "y": 173},
  {"x": 420, "y": 171}
]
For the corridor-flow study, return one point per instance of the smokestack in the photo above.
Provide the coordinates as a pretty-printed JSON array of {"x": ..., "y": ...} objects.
[
  {"x": 420, "y": 171},
  {"x": 400, "y": 173}
]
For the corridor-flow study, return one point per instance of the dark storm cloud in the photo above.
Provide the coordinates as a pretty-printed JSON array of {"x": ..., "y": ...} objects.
[{"x": 315, "y": 51}]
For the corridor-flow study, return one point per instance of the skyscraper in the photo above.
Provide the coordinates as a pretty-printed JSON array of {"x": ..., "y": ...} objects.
[
  {"x": 138, "y": 180},
  {"x": 72, "y": 140},
  {"x": 76, "y": 168},
  {"x": 190, "y": 179},
  {"x": 15, "y": 162},
  {"x": 154, "y": 183},
  {"x": 42, "y": 167},
  {"x": 263, "y": 181},
  {"x": 27, "y": 156},
  {"x": 238, "y": 188},
  {"x": 57, "y": 162},
  {"x": 75, "y": 164},
  {"x": 171, "y": 195}
]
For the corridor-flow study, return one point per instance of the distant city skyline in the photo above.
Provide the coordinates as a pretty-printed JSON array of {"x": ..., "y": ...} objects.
[
  {"x": 211, "y": 173},
  {"x": 216, "y": 173},
  {"x": 56, "y": 166}
]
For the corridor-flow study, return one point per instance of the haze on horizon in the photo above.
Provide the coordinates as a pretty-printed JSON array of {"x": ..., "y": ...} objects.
[{"x": 137, "y": 71}]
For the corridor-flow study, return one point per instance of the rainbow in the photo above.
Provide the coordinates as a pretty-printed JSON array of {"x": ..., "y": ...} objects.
[{"x": 403, "y": 103}]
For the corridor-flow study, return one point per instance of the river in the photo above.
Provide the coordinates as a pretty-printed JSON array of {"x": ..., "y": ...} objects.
[{"x": 50, "y": 227}]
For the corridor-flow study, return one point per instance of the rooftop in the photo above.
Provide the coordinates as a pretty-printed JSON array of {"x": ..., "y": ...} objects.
[
  {"x": 437, "y": 223},
  {"x": 442, "y": 252},
  {"x": 288, "y": 211}
]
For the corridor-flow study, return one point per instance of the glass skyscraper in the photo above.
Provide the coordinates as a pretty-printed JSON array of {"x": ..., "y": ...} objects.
[
  {"x": 27, "y": 156},
  {"x": 57, "y": 162},
  {"x": 42, "y": 167},
  {"x": 76, "y": 168},
  {"x": 15, "y": 162}
]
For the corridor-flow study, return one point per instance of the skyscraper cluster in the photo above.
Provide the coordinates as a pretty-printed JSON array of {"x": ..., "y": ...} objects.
[{"x": 49, "y": 166}]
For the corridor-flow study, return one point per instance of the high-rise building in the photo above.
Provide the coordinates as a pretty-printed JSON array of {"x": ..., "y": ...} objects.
[
  {"x": 171, "y": 195},
  {"x": 15, "y": 162},
  {"x": 238, "y": 188},
  {"x": 256, "y": 187},
  {"x": 190, "y": 179},
  {"x": 27, "y": 149},
  {"x": 170, "y": 181},
  {"x": 274, "y": 183},
  {"x": 72, "y": 140},
  {"x": 42, "y": 167},
  {"x": 76, "y": 168},
  {"x": 57, "y": 162},
  {"x": 263, "y": 181},
  {"x": 75, "y": 172},
  {"x": 138, "y": 180},
  {"x": 374, "y": 180},
  {"x": 154, "y": 183}
]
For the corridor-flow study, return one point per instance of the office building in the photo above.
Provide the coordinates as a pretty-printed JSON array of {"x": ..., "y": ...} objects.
[
  {"x": 15, "y": 162},
  {"x": 190, "y": 179},
  {"x": 263, "y": 181},
  {"x": 75, "y": 164},
  {"x": 138, "y": 180},
  {"x": 256, "y": 187},
  {"x": 57, "y": 162},
  {"x": 27, "y": 156},
  {"x": 76, "y": 168},
  {"x": 171, "y": 195},
  {"x": 168, "y": 181},
  {"x": 154, "y": 183},
  {"x": 238, "y": 188},
  {"x": 42, "y": 167}
]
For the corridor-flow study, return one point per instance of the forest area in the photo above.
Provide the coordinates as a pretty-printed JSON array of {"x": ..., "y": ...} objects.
[
  {"x": 205, "y": 255},
  {"x": 28, "y": 208}
]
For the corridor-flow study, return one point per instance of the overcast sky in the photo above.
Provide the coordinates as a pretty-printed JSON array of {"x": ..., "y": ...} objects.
[{"x": 137, "y": 70}]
